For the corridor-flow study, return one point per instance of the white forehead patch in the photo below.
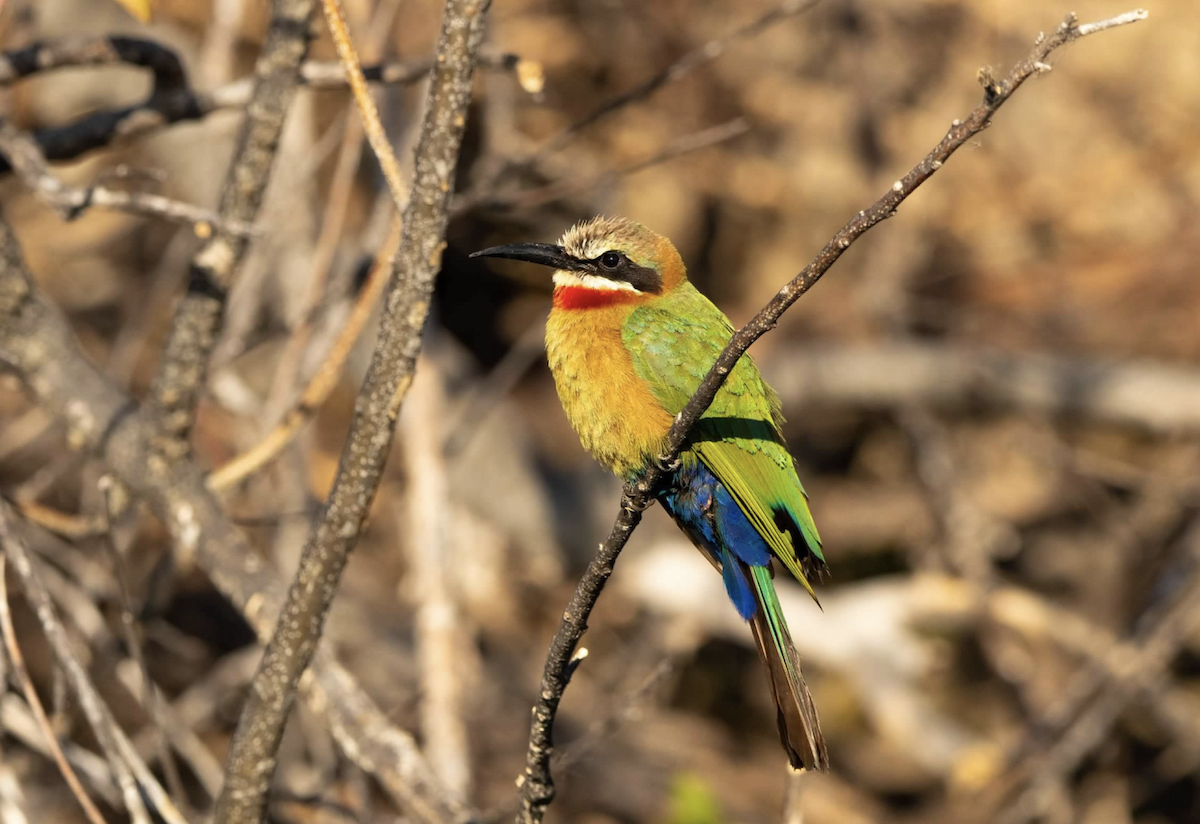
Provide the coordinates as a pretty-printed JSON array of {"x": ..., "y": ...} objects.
[
  {"x": 592, "y": 238},
  {"x": 593, "y": 248},
  {"x": 579, "y": 279}
]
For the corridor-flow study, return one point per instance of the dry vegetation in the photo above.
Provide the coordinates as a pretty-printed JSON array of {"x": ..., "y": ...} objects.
[{"x": 994, "y": 400}]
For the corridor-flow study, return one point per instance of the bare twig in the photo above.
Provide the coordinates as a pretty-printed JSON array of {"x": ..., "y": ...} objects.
[
  {"x": 151, "y": 698},
  {"x": 260, "y": 729},
  {"x": 793, "y": 812},
  {"x": 530, "y": 198},
  {"x": 281, "y": 394},
  {"x": 21, "y": 675},
  {"x": 25, "y": 156},
  {"x": 75, "y": 53},
  {"x": 1082, "y": 719},
  {"x": 536, "y": 785},
  {"x": 682, "y": 67},
  {"x": 169, "y": 730},
  {"x": 17, "y": 720},
  {"x": 243, "y": 465},
  {"x": 131, "y": 772},
  {"x": 36, "y": 341},
  {"x": 214, "y": 267},
  {"x": 371, "y": 123},
  {"x": 627, "y": 707}
]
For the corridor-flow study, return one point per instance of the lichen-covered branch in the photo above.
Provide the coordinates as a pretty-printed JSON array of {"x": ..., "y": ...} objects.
[
  {"x": 298, "y": 631},
  {"x": 212, "y": 270},
  {"x": 536, "y": 784}
]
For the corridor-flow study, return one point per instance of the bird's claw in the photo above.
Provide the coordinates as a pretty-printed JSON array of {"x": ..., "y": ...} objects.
[
  {"x": 667, "y": 466},
  {"x": 637, "y": 503}
]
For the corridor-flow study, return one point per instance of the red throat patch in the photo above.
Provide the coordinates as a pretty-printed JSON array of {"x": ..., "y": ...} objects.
[{"x": 580, "y": 297}]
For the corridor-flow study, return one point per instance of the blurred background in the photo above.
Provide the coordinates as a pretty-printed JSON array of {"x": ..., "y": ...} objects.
[{"x": 993, "y": 400}]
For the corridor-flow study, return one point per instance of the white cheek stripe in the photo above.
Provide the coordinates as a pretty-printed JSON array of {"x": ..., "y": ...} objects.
[{"x": 564, "y": 278}]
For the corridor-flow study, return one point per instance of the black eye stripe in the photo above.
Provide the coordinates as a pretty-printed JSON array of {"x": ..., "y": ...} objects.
[{"x": 642, "y": 278}]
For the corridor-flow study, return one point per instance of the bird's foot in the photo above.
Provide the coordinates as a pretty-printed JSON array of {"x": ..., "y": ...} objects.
[
  {"x": 638, "y": 496},
  {"x": 667, "y": 465}
]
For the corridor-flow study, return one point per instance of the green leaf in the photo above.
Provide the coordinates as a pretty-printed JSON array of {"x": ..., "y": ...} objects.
[{"x": 692, "y": 802}]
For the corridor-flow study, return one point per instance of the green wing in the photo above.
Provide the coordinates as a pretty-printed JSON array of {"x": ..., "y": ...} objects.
[{"x": 673, "y": 342}]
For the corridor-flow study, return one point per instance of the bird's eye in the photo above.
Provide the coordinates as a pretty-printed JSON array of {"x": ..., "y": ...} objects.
[{"x": 610, "y": 260}]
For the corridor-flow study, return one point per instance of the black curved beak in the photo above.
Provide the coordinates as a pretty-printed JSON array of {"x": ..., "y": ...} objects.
[{"x": 546, "y": 254}]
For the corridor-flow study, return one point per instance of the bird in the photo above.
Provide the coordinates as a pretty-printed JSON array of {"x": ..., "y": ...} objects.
[{"x": 629, "y": 339}]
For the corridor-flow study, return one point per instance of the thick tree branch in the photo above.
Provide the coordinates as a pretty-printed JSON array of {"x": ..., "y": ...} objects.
[
  {"x": 298, "y": 631},
  {"x": 536, "y": 784}
]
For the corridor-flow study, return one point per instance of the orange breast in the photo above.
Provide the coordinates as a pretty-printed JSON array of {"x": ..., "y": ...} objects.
[{"x": 619, "y": 422}]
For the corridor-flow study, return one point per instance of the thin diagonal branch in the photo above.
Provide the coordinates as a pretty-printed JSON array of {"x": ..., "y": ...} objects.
[
  {"x": 132, "y": 631},
  {"x": 131, "y": 772},
  {"x": 255, "y": 745},
  {"x": 21, "y": 676},
  {"x": 682, "y": 67},
  {"x": 560, "y": 190},
  {"x": 372, "y": 125},
  {"x": 536, "y": 784}
]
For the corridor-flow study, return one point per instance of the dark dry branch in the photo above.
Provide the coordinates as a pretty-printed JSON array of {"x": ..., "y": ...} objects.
[
  {"x": 212, "y": 270},
  {"x": 79, "y": 53},
  {"x": 37, "y": 342},
  {"x": 255, "y": 745},
  {"x": 172, "y": 99},
  {"x": 25, "y": 157},
  {"x": 536, "y": 784}
]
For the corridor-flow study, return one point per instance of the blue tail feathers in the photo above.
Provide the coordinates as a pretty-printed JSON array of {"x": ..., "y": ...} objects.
[{"x": 706, "y": 511}]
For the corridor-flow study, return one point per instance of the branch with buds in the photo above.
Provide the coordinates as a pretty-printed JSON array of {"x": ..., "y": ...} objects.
[{"x": 536, "y": 785}]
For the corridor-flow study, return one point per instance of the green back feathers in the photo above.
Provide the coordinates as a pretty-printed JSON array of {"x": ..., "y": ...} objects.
[{"x": 673, "y": 342}]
